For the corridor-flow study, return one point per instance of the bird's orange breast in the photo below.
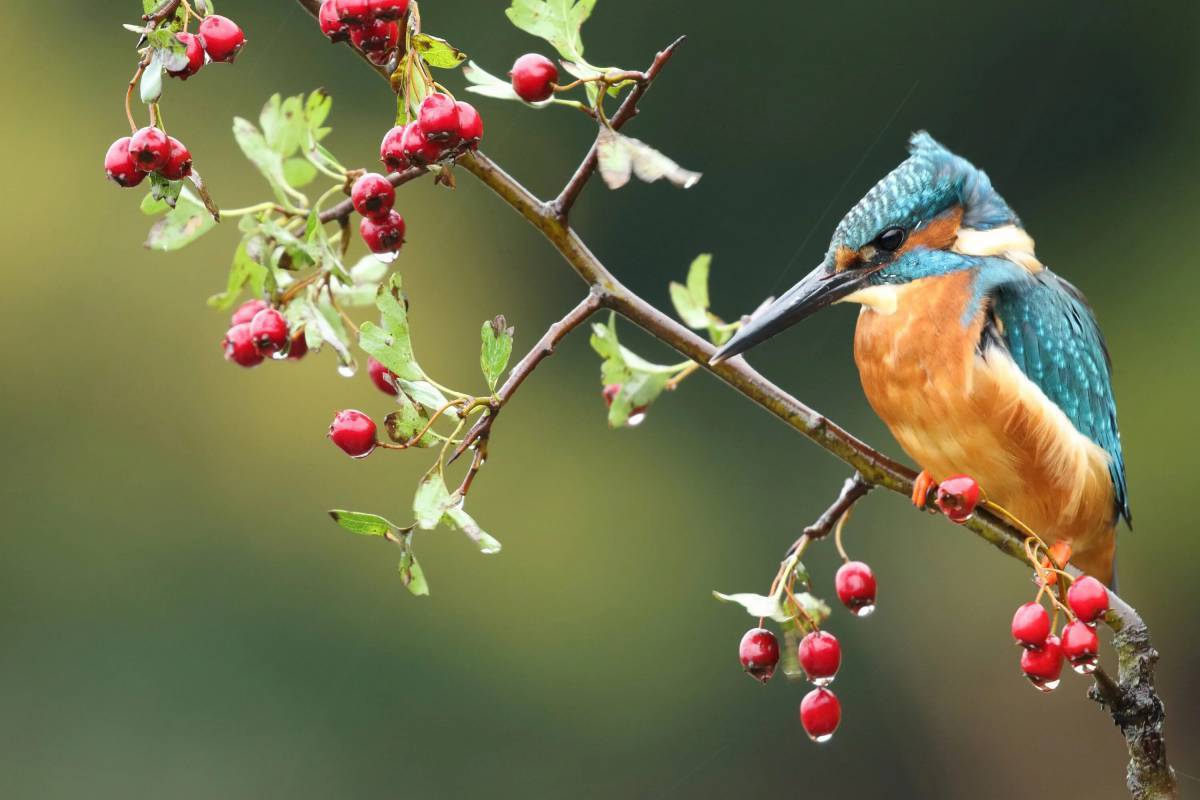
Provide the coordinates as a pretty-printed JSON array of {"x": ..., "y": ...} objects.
[{"x": 957, "y": 411}]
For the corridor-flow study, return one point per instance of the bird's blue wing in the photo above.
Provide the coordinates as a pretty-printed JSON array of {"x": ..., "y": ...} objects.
[{"x": 1052, "y": 335}]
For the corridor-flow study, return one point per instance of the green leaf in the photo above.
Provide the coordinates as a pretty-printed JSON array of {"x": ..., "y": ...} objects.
[
  {"x": 361, "y": 523},
  {"x": 391, "y": 344},
  {"x": 638, "y": 391},
  {"x": 153, "y": 206},
  {"x": 184, "y": 224},
  {"x": 697, "y": 279},
  {"x": 691, "y": 301},
  {"x": 299, "y": 172},
  {"x": 316, "y": 111},
  {"x": 284, "y": 124},
  {"x": 428, "y": 396},
  {"x": 457, "y": 517},
  {"x": 438, "y": 52},
  {"x": 245, "y": 269},
  {"x": 556, "y": 21},
  {"x": 431, "y": 501},
  {"x": 411, "y": 574},
  {"x": 484, "y": 83},
  {"x": 757, "y": 605},
  {"x": 404, "y": 424},
  {"x": 165, "y": 190},
  {"x": 497, "y": 349},
  {"x": 254, "y": 146},
  {"x": 621, "y": 156},
  {"x": 151, "y": 85}
]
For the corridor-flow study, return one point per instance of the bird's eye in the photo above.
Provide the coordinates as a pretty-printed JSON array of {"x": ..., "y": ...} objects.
[{"x": 891, "y": 239}]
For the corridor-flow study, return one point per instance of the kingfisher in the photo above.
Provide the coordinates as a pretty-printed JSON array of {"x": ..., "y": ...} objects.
[{"x": 978, "y": 358}]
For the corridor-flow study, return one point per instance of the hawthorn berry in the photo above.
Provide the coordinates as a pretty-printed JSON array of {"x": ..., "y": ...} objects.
[
  {"x": 383, "y": 235},
  {"x": 375, "y": 36},
  {"x": 298, "y": 346},
  {"x": 389, "y": 9},
  {"x": 470, "y": 124},
  {"x": 383, "y": 378},
  {"x": 1088, "y": 598},
  {"x": 820, "y": 714},
  {"x": 179, "y": 164},
  {"x": 221, "y": 37},
  {"x": 439, "y": 118},
  {"x": 957, "y": 497},
  {"x": 855, "y": 584},
  {"x": 1043, "y": 666},
  {"x": 269, "y": 330},
  {"x": 354, "y": 432},
  {"x": 195, "y": 56},
  {"x": 119, "y": 165},
  {"x": 149, "y": 148},
  {"x": 373, "y": 196},
  {"x": 391, "y": 150},
  {"x": 1031, "y": 625},
  {"x": 246, "y": 311},
  {"x": 239, "y": 346},
  {"x": 533, "y": 77},
  {"x": 759, "y": 653},
  {"x": 331, "y": 24},
  {"x": 417, "y": 148},
  {"x": 1081, "y": 645},
  {"x": 353, "y": 12},
  {"x": 820, "y": 655}
]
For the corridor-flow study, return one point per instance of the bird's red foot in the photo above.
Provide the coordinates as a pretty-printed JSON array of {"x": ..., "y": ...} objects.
[{"x": 921, "y": 488}]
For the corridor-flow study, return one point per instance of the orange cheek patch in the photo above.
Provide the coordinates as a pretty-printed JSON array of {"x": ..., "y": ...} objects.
[
  {"x": 844, "y": 259},
  {"x": 938, "y": 234}
]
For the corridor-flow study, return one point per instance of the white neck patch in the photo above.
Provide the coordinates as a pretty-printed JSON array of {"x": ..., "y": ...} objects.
[{"x": 1007, "y": 241}]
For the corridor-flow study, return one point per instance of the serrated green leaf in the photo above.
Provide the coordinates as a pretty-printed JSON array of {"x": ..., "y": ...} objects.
[
  {"x": 431, "y": 501},
  {"x": 316, "y": 110},
  {"x": 757, "y": 605},
  {"x": 153, "y": 206},
  {"x": 697, "y": 279},
  {"x": 184, "y": 224},
  {"x": 621, "y": 156},
  {"x": 285, "y": 124},
  {"x": 391, "y": 345},
  {"x": 692, "y": 314},
  {"x": 487, "y": 544},
  {"x": 165, "y": 190},
  {"x": 403, "y": 425},
  {"x": 411, "y": 574},
  {"x": 269, "y": 163},
  {"x": 299, "y": 172},
  {"x": 485, "y": 83},
  {"x": 638, "y": 391},
  {"x": 361, "y": 523},
  {"x": 428, "y": 395},
  {"x": 556, "y": 21},
  {"x": 244, "y": 270},
  {"x": 438, "y": 52},
  {"x": 496, "y": 351}
]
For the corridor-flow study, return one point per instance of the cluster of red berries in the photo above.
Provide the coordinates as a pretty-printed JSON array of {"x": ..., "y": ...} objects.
[
  {"x": 354, "y": 431},
  {"x": 131, "y": 158},
  {"x": 382, "y": 228},
  {"x": 442, "y": 129},
  {"x": 257, "y": 331},
  {"x": 1044, "y": 653},
  {"x": 217, "y": 39},
  {"x": 819, "y": 653},
  {"x": 533, "y": 77},
  {"x": 372, "y": 26}
]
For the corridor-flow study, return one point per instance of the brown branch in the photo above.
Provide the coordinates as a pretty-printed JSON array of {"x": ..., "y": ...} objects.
[
  {"x": 1139, "y": 714},
  {"x": 853, "y": 490},
  {"x": 164, "y": 11}
]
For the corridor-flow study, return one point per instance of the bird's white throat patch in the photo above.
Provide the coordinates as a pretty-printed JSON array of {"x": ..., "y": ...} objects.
[
  {"x": 884, "y": 299},
  {"x": 1007, "y": 241}
]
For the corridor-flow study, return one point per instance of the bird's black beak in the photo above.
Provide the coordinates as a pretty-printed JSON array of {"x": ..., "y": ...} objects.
[{"x": 819, "y": 289}]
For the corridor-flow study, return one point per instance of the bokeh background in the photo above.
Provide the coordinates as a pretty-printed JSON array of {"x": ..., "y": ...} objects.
[{"x": 179, "y": 618}]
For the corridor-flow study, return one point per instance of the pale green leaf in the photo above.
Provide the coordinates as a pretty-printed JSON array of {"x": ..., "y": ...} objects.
[
  {"x": 697, "y": 279},
  {"x": 361, "y": 523},
  {"x": 487, "y": 544},
  {"x": 411, "y": 574},
  {"x": 496, "y": 350},
  {"x": 556, "y": 21},
  {"x": 620, "y": 156},
  {"x": 184, "y": 224},
  {"x": 403, "y": 425},
  {"x": 438, "y": 52},
  {"x": 299, "y": 172},
  {"x": 431, "y": 501}
]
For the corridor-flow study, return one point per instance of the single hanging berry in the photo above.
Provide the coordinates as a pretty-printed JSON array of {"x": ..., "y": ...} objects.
[
  {"x": 149, "y": 148},
  {"x": 820, "y": 656},
  {"x": 195, "y": 56},
  {"x": 269, "y": 330},
  {"x": 383, "y": 235},
  {"x": 957, "y": 497},
  {"x": 759, "y": 653},
  {"x": 470, "y": 124},
  {"x": 1043, "y": 665},
  {"x": 354, "y": 432},
  {"x": 1031, "y": 625},
  {"x": 373, "y": 196},
  {"x": 820, "y": 714},
  {"x": 383, "y": 378},
  {"x": 533, "y": 77},
  {"x": 221, "y": 37},
  {"x": 239, "y": 346},
  {"x": 1088, "y": 598},
  {"x": 1081, "y": 646},
  {"x": 120, "y": 167},
  {"x": 855, "y": 585}
]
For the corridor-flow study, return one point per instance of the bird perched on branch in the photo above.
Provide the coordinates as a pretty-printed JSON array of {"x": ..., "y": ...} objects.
[{"x": 980, "y": 359}]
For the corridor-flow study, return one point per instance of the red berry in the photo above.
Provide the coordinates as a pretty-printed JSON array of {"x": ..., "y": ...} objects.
[
  {"x": 610, "y": 393},
  {"x": 417, "y": 148},
  {"x": 533, "y": 77},
  {"x": 353, "y": 12},
  {"x": 269, "y": 330},
  {"x": 354, "y": 432},
  {"x": 331, "y": 24},
  {"x": 239, "y": 346},
  {"x": 376, "y": 36},
  {"x": 221, "y": 37},
  {"x": 298, "y": 347},
  {"x": 1043, "y": 666},
  {"x": 391, "y": 150},
  {"x": 150, "y": 149},
  {"x": 383, "y": 377},
  {"x": 759, "y": 653},
  {"x": 195, "y": 56},
  {"x": 1031, "y": 625},
  {"x": 855, "y": 584},
  {"x": 470, "y": 124},
  {"x": 820, "y": 714},
  {"x": 1081, "y": 646},
  {"x": 373, "y": 196},
  {"x": 246, "y": 311},
  {"x": 384, "y": 235},
  {"x": 957, "y": 497},
  {"x": 1088, "y": 598},
  {"x": 820, "y": 655},
  {"x": 439, "y": 117},
  {"x": 119, "y": 165},
  {"x": 179, "y": 165},
  {"x": 389, "y": 9}
]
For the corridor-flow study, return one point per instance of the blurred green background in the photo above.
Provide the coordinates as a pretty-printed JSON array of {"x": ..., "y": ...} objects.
[{"x": 181, "y": 620}]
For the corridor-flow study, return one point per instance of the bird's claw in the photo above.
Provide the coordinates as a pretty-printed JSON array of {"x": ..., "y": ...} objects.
[{"x": 922, "y": 485}]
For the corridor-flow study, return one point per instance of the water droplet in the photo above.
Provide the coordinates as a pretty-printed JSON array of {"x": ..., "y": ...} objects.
[
  {"x": 822, "y": 739},
  {"x": 822, "y": 681},
  {"x": 864, "y": 611},
  {"x": 388, "y": 258},
  {"x": 347, "y": 369},
  {"x": 280, "y": 355},
  {"x": 1085, "y": 666},
  {"x": 1043, "y": 685},
  {"x": 636, "y": 418}
]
